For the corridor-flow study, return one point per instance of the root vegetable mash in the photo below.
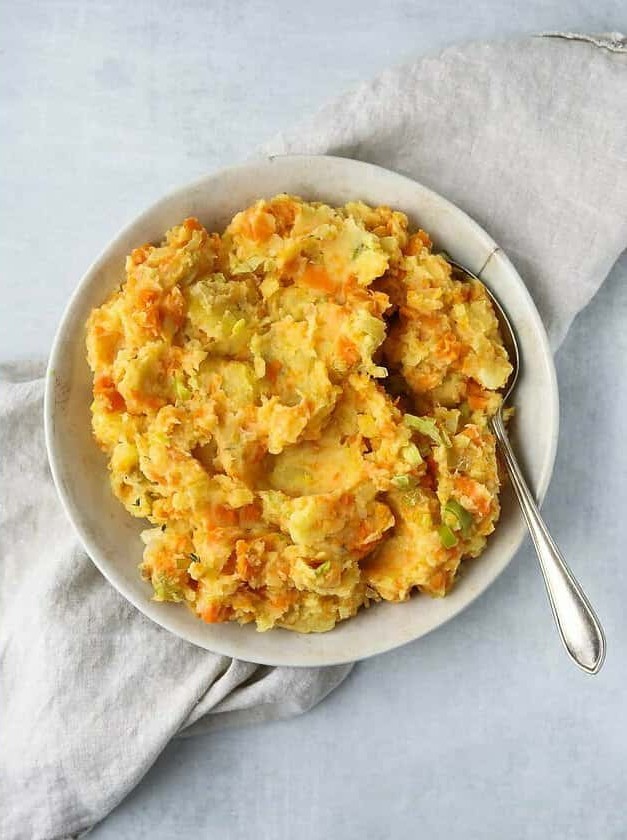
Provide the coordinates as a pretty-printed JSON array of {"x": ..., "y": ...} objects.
[{"x": 299, "y": 409}]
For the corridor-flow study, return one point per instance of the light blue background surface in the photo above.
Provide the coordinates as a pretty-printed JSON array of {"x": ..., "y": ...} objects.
[{"x": 482, "y": 729}]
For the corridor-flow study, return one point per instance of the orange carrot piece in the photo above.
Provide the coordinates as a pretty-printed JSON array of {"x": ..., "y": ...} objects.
[
  {"x": 317, "y": 277},
  {"x": 348, "y": 351},
  {"x": 104, "y": 387}
]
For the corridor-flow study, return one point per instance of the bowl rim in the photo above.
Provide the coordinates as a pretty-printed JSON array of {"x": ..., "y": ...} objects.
[{"x": 162, "y": 617}]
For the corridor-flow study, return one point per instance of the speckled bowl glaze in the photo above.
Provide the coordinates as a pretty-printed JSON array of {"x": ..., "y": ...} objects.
[{"x": 111, "y": 536}]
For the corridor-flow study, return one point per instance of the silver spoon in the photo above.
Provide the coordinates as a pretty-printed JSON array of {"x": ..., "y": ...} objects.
[{"x": 578, "y": 626}]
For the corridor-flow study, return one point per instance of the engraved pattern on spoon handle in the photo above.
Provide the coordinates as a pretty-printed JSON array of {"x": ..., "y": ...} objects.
[{"x": 579, "y": 627}]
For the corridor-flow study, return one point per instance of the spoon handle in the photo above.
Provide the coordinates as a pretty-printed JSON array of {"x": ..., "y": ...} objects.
[{"x": 579, "y": 627}]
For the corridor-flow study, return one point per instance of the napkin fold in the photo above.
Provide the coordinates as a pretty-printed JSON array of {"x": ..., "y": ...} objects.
[{"x": 530, "y": 138}]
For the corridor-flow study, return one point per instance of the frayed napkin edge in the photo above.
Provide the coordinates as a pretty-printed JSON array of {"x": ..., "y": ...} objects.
[{"x": 612, "y": 41}]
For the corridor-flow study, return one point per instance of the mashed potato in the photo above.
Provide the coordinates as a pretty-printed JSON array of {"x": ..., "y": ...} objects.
[{"x": 299, "y": 408}]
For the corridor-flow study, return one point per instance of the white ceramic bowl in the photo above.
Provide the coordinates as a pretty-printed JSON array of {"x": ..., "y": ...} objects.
[{"x": 111, "y": 536}]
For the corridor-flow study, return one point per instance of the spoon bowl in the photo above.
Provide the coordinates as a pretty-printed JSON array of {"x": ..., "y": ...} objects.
[{"x": 508, "y": 335}]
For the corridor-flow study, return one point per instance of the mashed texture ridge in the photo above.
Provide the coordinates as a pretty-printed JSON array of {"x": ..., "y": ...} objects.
[{"x": 299, "y": 408}]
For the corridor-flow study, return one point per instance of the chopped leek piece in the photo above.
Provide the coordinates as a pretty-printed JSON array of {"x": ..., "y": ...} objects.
[
  {"x": 323, "y": 568},
  {"x": 459, "y": 512},
  {"x": 403, "y": 482},
  {"x": 447, "y": 537},
  {"x": 181, "y": 391},
  {"x": 166, "y": 589},
  {"x": 427, "y": 426},
  {"x": 238, "y": 328},
  {"x": 411, "y": 454}
]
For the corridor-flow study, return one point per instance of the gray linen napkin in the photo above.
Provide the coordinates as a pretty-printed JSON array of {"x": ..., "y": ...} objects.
[{"x": 530, "y": 137}]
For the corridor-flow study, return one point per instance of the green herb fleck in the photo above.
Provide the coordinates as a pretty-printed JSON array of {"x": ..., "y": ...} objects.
[
  {"x": 194, "y": 557},
  {"x": 137, "y": 502}
]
